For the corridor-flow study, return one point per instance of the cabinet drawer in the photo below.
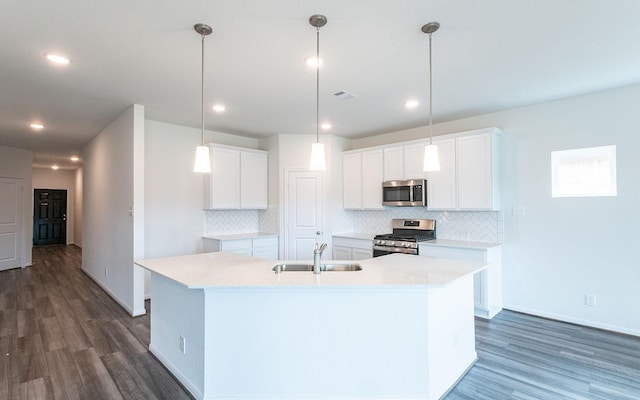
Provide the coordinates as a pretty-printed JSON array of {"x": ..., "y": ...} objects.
[
  {"x": 353, "y": 243},
  {"x": 454, "y": 253},
  {"x": 265, "y": 242},
  {"x": 229, "y": 245}
]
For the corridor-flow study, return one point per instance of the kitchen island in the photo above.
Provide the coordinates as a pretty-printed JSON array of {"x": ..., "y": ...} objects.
[{"x": 228, "y": 327}]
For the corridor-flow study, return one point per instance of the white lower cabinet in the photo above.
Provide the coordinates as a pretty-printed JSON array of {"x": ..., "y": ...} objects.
[
  {"x": 487, "y": 284},
  {"x": 262, "y": 247},
  {"x": 352, "y": 248}
]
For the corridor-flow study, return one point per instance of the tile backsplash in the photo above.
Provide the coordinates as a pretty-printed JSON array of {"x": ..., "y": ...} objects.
[
  {"x": 229, "y": 222},
  {"x": 477, "y": 226}
]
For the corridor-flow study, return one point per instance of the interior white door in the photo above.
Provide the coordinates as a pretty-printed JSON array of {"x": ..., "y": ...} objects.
[
  {"x": 10, "y": 223},
  {"x": 304, "y": 210}
]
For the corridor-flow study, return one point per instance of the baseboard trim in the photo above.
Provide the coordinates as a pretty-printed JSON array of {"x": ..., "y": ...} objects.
[
  {"x": 573, "y": 320},
  {"x": 176, "y": 374},
  {"x": 129, "y": 310}
]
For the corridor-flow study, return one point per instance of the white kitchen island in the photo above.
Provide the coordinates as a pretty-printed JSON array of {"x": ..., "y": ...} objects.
[{"x": 228, "y": 327}]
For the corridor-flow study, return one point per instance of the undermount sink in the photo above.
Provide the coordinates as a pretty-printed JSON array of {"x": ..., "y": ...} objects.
[{"x": 323, "y": 267}]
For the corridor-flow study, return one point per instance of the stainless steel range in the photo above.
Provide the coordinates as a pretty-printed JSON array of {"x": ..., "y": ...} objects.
[{"x": 407, "y": 233}]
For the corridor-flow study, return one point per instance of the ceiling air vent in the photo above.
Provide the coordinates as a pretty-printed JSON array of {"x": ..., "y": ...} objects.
[{"x": 344, "y": 95}]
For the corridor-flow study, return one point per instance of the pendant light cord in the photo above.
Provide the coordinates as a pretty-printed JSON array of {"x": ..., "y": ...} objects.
[
  {"x": 430, "y": 97},
  {"x": 317, "y": 85},
  {"x": 202, "y": 89}
]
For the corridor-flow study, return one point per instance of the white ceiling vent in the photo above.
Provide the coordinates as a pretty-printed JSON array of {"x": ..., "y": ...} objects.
[{"x": 344, "y": 95}]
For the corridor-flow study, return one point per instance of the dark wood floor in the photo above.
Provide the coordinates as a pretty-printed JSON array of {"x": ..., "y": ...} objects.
[{"x": 62, "y": 337}]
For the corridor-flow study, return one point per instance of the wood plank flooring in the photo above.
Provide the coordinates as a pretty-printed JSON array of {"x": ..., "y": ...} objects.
[{"x": 62, "y": 337}]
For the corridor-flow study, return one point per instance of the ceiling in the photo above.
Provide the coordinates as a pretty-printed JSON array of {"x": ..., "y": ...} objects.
[{"x": 487, "y": 56}]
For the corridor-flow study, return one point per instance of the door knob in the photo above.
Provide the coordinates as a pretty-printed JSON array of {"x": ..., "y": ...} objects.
[{"x": 318, "y": 233}]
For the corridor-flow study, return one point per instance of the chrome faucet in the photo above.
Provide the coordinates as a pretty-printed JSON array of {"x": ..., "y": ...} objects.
[{"x": 317, "y": 253}]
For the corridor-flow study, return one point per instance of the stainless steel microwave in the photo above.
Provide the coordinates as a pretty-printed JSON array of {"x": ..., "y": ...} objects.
[{"x": 406, "y": 193}]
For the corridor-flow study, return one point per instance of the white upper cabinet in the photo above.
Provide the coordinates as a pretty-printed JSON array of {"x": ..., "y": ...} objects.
[
  {"x": 372, "y": 180},
  {"x": 352, "y": 180},
  {"x": 413, "y": 161},
  {"x": 474, "y": 157},
  {"x": 404, "y": 162},
  {"x": 362, "y": 179},
  {"x": 253, "y": 179},
  {"x": 441, "y": 185},
  {"x": 238, "y": 179},
  {"x": 393, "y": 164},
  {"x": 468, "y": 176}
]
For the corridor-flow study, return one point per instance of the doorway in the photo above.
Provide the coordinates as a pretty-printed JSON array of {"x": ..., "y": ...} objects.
[
  {"x": 10, "y": 223},
  {"x": 49, "y": 217},
  {"x": 303, "y": 214}
]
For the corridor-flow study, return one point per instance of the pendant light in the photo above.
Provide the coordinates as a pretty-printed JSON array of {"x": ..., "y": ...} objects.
[
  {"x": 202, "y": 163},
  {"x": 317, "y": 162},
  {"x": 431, "y": 159}
]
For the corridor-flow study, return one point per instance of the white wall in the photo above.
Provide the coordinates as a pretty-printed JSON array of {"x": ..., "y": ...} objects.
[
  {"x": 174, "y": 199},
  {"x": 173, "y": 193},
  {"x": 77, "y": 226},
  {"x": 293, "y": 154},
  {"x": 47, "y": 178},
  {"x": 110, "y": 241},
  {"x": 16, "y": 163},
  {"x": 564, "y": 248}
]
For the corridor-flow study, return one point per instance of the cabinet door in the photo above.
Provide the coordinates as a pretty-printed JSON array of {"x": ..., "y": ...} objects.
[
  {"x": 341, "y": 253},
  {"x": 269, "y": 253},
  {"x": 441, "y": 185},
  {"x": 352, "y": 180},
  {"x": 393, "y": 164},
  {"x": 253, "y": 180},
  {"x": 372, "y": 172},
  {"x": 413, "y": 161},
  {"x": 361, "y": 254},
  {"x": 225, "y": 178},
  {"x": 474, "y": 172}
]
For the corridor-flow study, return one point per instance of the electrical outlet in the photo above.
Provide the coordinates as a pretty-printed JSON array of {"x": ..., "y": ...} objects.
[
  {"x": 590, "y": 300},
  {"x": 183, "y": 345},
  {"x": 517, "y": 211}
]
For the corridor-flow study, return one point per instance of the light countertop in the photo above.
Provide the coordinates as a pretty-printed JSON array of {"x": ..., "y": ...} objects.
[
  {"x": 356, "y": 235},
  {"x": 226, "y": 270},
  {"x": 460, "y": 244},
  {"x": 240, "y": 236}
]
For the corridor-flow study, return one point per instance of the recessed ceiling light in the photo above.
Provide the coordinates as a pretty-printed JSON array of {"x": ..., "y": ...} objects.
[
  {"x": 218, "y": 108},
  {"x": 37, "y": 126},
  {"x": 326, "y": 126},
  {"x": 54, "y": 167},
  {"x": 58, "y": 59},
  {"x": 312, "y": 62},
  {"x": 74, "y": 158},
  {"x": 411, "y": 103}
]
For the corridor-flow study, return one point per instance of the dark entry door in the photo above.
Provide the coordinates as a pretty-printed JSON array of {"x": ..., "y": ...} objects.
[{"x": 49, "y": 216}]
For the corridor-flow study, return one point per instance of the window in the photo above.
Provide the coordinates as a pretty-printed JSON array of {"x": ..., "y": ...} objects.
[{"x": 584, "y": 172}]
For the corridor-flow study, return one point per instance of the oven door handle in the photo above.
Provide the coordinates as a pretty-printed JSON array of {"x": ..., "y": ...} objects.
[{"x": 395, "y": 249}]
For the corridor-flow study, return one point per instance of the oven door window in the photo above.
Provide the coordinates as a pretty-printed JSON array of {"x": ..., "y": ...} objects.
[{"x": 396, "y": 193}]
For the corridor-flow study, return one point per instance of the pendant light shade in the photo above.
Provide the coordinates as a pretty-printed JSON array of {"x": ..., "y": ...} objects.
[
  {"x": 202, "y": 163},
  {"x": 431, "y": 159},
  {"x": 317, "y": 161}
]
